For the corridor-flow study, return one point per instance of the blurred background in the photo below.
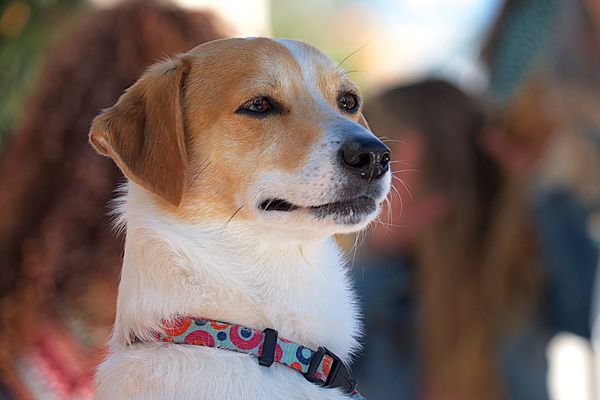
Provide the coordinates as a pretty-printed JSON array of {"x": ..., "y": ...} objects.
[{"x": 479, "y": 279}]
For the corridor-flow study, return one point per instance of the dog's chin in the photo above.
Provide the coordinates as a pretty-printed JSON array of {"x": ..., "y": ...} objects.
[{"x": 343, "y": 216}]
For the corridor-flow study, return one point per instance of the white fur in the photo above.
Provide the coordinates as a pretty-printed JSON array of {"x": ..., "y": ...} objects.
[{"x": 235, "y": 274}]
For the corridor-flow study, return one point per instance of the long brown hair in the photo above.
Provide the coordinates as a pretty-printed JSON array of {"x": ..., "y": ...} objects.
[
  {"x": 55, "y": 239},
  {"x": 469, "y": 260}
]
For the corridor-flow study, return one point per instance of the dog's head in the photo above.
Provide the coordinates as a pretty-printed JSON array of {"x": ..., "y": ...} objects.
[{"x": 270, "y": 131}]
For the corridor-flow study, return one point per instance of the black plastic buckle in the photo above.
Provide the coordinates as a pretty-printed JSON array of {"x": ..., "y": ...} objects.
[
  {"x": 339, "y": 375},
  {"x": 267, "y": 357}
]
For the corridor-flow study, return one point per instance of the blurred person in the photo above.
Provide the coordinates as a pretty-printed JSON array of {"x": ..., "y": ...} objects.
[
  {"x": 59, "y": 260},
  {"x": 575, "y": 74},
  {"x": 458, "y": 302},
  {"x": 547, "y": 122}
]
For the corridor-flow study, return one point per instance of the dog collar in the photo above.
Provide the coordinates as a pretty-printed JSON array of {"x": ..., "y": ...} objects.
[{"x": 321, "y": 367}]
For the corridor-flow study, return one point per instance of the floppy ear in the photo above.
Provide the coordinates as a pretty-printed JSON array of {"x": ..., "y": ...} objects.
[
  {"x": 144, "y": 132},
  {"x": 363, "y": 121}
]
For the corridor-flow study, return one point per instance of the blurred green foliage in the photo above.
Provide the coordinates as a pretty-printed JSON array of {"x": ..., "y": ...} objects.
[{"x": 26, "y": 29}]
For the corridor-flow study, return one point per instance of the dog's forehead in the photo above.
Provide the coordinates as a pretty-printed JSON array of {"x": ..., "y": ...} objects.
[
  {"x": 279, "y": 58},
  {"x": 309, "y": 58}
]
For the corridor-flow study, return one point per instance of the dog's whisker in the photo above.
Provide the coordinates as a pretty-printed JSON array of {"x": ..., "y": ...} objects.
[
  {"x": 355, "y": 248},
  {"x": 389, "y": 225},
  {"x": 230, "y": 218},
  {"x": 198, "y": 173},
  {"x": 353, "y": 53},
  {"x": 356, "y": 70},
  {"x": 388, "y": 204},
  {"x": 396, "y": 178},
  {"x": 399, "y": 198},
  {"x": 269, "y": 204},
  {"x": 394, "y": 190},
  {"x": 406, "y": 187},
  {"x": 404, "y": 184},
  {"x": 387, "y": 140}
]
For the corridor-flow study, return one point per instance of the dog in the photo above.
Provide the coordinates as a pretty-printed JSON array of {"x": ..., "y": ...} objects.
[{"x": 243, "y": 157}]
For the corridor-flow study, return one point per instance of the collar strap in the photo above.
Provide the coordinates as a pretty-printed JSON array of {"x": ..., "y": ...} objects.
[{"x": 321, "y": 367}]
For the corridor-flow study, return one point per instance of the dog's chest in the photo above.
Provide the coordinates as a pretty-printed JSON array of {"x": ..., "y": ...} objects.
[
  {"x": 303, "y": 295},
  {"x": 309, "y": 304}
]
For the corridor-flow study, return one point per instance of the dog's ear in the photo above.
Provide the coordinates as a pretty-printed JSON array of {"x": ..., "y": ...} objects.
[
  {"x": 144, "y": 131},
  {"x": 363, "y": 121}
]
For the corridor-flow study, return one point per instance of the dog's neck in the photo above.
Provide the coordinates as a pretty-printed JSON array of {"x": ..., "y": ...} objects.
[{"x": 230, "y": 272}]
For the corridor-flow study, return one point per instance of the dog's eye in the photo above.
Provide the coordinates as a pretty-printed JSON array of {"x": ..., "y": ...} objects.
[
  {"x": 258, "y": 106},
  {"x": 348, "y": 102}
]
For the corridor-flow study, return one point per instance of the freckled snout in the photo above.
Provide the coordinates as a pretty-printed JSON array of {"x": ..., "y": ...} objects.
[{"x": 367, "y": 157}]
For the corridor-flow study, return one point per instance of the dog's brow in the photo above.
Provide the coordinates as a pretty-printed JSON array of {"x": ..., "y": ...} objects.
[
  {"x": 346, "y": 85},
  {"x": 342, "y": 74},
  {"x": 273, "y": 83},
  {"x": 258, "y": 83}
]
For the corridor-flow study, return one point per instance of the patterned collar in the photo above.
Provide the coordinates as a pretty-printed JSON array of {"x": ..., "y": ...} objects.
[{"x": 321, "y": 367}]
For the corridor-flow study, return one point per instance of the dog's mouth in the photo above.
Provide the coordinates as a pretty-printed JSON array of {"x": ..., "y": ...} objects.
[
  {"x": 278, "y": 205},
  {"x": 344, "y": 211}
]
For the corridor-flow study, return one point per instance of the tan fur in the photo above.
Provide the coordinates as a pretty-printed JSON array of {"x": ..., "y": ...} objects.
[{"x": 144, "y": 132}]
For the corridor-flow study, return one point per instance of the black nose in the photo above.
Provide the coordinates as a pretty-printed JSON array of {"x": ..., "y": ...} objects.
[{"x": 367, "y": 157}]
